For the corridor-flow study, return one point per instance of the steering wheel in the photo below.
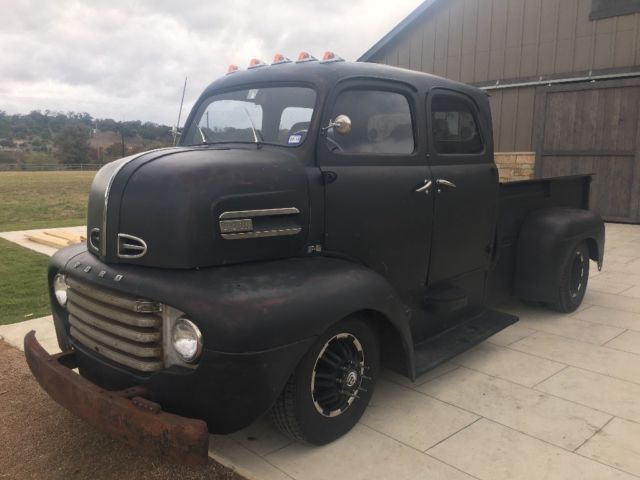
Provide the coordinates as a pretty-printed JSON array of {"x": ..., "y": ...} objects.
[{"x": 335, "y": 144}]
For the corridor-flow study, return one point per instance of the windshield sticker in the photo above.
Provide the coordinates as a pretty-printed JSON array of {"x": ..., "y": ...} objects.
[
  {"x": 251, "y": 94},
  {"x": 294, "y": 139}
]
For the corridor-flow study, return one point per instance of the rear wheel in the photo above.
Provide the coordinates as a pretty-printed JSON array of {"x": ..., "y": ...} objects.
[
  {"x": 573, "y": 280},
  {"x": 332, "y": 385}
]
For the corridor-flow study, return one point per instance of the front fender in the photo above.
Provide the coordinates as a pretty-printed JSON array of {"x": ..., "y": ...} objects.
[
  {"x": 257, "y": 320},
  {"x": 253, "y": 306},
  {"x": 264, "y": 305},
  {"x": 546, "y": 235}
]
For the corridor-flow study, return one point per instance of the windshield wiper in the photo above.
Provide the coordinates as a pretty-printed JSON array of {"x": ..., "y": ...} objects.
[
  {"x": 253, "y": 129},
  {"x": 204, "y": 138}
]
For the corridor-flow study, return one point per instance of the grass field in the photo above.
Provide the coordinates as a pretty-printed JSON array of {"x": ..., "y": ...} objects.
[
  {"x": 43, "y": 199},
  {"x": 23, "y": 283},
  {"x": 34, "y": 200}
]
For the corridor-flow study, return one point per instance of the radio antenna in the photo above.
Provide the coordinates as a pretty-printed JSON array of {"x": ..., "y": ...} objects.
[{"x": 176, "y": 133}]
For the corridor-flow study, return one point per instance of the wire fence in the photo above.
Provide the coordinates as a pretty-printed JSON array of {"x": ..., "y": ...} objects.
[{"x": 35, "y": 167}]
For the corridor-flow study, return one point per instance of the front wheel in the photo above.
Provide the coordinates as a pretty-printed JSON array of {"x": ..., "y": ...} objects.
[
  {"x": 331, "y": 386},
  {"x": 573, "y": 279}
]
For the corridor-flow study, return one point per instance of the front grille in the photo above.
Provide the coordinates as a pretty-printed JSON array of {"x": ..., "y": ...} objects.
[{"x": 123, "y": 329}]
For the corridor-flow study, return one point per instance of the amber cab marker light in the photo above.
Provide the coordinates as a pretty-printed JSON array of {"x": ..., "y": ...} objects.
[
  {"x": 256, "y": 62},
  {"x": 305, "y": 57},
  {"x": 331, "y": 57},
  {"x": 278, "y": 58},
  {"x": 232, "y": 69}
]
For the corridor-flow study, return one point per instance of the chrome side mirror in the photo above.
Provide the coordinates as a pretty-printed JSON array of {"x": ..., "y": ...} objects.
[{"x": 341, "y": 124}]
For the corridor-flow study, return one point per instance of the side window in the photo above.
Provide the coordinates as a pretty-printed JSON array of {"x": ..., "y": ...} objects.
[
  {"x": 454, "y": 126},
  {"x": 294, "y": 124},
  {"x": 380, "y": 123}
]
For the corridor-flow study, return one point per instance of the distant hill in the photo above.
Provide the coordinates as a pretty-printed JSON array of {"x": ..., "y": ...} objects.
[{"x": 45, "y": 138}]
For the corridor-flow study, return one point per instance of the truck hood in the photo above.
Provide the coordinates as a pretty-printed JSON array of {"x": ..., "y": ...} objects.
[{"x": 187, "y": 207}]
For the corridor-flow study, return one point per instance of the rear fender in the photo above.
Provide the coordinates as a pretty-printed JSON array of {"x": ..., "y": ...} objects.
[{"x": 545, "y": 237}]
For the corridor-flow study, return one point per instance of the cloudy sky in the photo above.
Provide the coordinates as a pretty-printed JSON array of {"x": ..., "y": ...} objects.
[{"x": 127, "y": 59}]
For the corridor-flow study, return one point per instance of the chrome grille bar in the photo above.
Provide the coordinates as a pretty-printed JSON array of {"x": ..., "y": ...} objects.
[
  {"x": 104, "y": 296},
  {"x": 137, "y": 335},
  {"x": 116, "y": 356},
  {"x": 113, "y": 312},
  {"x": 139, "y": 350},
  {"x": 120, "y": 328}
]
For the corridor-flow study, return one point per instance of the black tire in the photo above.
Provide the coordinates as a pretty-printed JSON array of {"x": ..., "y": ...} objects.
[
  {"x": 532, "y": 303},
  {"x": 573, "y": 279},
  {"x": 297, "y": 412}
]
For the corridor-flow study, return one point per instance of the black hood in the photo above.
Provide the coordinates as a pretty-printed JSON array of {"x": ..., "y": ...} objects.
[{"x": 187, "y": 207}]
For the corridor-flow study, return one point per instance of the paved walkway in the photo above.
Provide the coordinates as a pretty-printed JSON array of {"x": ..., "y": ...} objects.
[{"x": 551, "y": 397}]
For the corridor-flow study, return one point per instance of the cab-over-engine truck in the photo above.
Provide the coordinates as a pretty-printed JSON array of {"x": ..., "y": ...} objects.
[{"x": 317, "y": 220}]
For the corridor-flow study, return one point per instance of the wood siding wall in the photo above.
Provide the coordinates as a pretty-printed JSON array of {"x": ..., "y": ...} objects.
[
  {"x": 481, "y": 41},
  {"x": 512, "y": 113},
  {"x": 593, "y": 128}
]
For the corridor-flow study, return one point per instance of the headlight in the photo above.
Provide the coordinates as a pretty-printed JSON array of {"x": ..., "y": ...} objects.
[
  {"x": 187, "y": 340},
  {"x": 60, "y": 289}
]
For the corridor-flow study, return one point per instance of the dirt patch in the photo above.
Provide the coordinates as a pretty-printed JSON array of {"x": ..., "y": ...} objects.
[{"x": 40, "y": 439}]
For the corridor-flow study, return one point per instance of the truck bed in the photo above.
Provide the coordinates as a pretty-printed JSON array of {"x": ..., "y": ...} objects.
[{"x": 516, "y": 201}]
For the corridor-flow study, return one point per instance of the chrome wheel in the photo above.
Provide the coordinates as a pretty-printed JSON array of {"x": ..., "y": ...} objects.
[
  {"x": 332, "y": 384},
  {"x": 577, "y": 275},
  {"x": 573, "y": 279},
  {"x": 338, "y": 375}
]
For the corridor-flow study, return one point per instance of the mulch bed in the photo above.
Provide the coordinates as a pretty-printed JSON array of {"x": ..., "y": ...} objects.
[{"x": 42, "y": 440}]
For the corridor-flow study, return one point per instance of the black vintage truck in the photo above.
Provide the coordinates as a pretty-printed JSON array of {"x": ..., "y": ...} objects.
[{"x": 318, "y": 220}]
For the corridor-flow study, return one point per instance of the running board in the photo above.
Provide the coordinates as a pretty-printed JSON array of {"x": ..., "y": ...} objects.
[
  {"x": 445, "y": 299},
  {"x": 446, "y": 345}
]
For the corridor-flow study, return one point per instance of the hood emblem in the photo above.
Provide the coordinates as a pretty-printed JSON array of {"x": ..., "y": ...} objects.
[
  {"x": 270, "y": 222},
  {"x": 130, "y": 246}
]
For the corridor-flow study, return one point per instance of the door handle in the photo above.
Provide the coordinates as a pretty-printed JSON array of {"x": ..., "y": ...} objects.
[
  {"x": 329, "y": 177},
  {"x": 445, "y": 183},
  {"x": 425, "y": 188}
]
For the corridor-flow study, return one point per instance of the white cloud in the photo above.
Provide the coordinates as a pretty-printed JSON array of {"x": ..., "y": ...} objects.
[{"x": 128, "y": 59}]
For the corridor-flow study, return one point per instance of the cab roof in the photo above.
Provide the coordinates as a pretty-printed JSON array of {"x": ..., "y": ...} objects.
[{"x": 326, "y": 74}]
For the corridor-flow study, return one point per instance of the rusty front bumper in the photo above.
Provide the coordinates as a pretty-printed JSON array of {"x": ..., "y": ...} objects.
[{"x": 125, "y": 415}]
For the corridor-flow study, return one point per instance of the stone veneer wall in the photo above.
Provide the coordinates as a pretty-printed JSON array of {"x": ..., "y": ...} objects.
[{"x": 514, "y": 166}]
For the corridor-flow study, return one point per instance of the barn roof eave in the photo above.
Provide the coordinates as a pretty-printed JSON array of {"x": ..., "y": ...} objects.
[{"x": 421, "y": 9}]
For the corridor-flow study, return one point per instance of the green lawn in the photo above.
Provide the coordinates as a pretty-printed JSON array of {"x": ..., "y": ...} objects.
[
  {"x": 34, "y": 200},
  {"x": 43, "y": 199},
  {"x": 23, "y": 283}
]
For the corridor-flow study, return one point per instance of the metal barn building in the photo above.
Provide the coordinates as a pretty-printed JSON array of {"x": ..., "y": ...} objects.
[{"x": 564, "y": 80}]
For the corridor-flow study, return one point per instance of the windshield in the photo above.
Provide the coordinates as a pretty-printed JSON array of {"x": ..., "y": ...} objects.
[{"x": 275, "y": 115}]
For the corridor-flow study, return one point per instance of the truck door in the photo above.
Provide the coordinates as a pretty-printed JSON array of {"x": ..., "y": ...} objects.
[
  {"x": 466, "y": 193},
  {"x": 378, "y": 199}
]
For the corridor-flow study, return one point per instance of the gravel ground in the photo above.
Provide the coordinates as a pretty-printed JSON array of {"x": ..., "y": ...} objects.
[{"x": 42, "y": 440}]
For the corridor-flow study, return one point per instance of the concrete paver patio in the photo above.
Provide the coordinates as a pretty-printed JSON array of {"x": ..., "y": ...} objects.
[{"x": 551, "y": 397}]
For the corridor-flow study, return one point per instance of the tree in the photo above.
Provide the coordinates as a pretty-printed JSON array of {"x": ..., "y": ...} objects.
[
  {"x": 113, "y": 151},
  {"x": 72, "y": 144}
]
